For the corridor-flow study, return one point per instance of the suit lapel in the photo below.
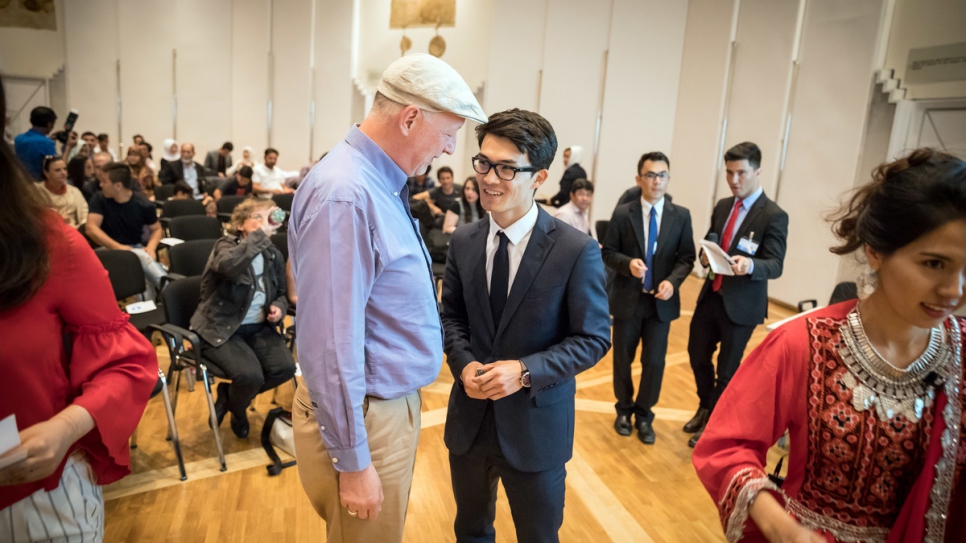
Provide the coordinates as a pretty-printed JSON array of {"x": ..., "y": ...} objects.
[
  {"x": 749, "y": 220},
  {"x": 668, "y": 218},
  {"x": 477, "y": 253},
  {"x": 637, "y": 223},
  {"x": 533, "y": 258}
]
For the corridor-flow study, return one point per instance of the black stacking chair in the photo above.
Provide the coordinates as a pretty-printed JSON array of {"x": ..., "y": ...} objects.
[
  {"x": 284, "y": 201},
  {"x": 280, "y": 240},
  {"x": 227, "y": 204},
  {"x": 162, "y": 193},
  {"x": 213, "y": 182},
  {"x": 127, "y": 280},
  {"x": 191, "y": 227},
  {"x": 843, "y": 291},
  {"x": 179, "y": 208},
  {"x": 181, "y": 298},
  {"x": 189, "y": 258}
]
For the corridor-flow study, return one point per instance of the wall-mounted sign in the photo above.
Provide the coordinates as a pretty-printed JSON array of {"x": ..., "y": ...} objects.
[
  {"x": 414, "y": 13},
  {"x": 37, "y": 14},
  {"x": 936, "y": 64}
]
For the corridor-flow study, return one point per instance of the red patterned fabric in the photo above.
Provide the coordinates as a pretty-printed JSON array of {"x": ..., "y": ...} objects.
[
  {"x": 848, "y": 472},
  {"x": 110, "y": 369}
]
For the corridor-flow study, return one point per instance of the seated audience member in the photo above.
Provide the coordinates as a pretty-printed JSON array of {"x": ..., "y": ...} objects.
[
  {"x": 86, "y": 145},
  {"x": 35, "y": 144},
  {"x": 141, "y": 172},
  {"x": 80, "y": 172},
  {"x": 575, "y": 211},
  {"x": 76, "y": 403},
  {"x": 187, "y": 170},
  {"x": 466, "y": 209},
  {"x": 67, "y": 200},
  {"x": 117, "y": 219},
  {"x": 182, "y": 191},
  {"x": 171, "y": 153},
  {"x": 146, "y": 150},
  {"x": 138, "y": 139},
  {"x": 241, "y": 185},
  {"x": 268, "y": 179},
  {"x": 420, "y": 182},
  {"x": 442, "y": 197},
  {"x": 99, "y": 160},
  {"x": 218, "y": 162},
  {"x": 574, "y": 171},
  {"x": 236, "y": 321},
  {"x": 247, "y": 159},
  {"x": 104, "y": 144}
]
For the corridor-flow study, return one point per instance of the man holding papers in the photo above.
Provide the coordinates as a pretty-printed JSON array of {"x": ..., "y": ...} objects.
[
  {"x": 650, "y": 246},
  {"x": 752, "y": 230}
]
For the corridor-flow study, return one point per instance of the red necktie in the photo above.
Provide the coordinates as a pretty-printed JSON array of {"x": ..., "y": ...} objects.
[{"x": 726, "y": 240}]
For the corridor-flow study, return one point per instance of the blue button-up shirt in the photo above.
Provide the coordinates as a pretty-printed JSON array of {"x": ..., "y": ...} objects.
[
  {"x": 367, "y": 314},
  {"x": 31, "y": 147},
  {"x": 742, "y": 213}
]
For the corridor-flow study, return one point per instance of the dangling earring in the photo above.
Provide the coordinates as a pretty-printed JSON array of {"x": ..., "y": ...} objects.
[{"x": 866, "y": 282}]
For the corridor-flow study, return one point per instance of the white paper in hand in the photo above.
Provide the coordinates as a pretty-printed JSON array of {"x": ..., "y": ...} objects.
[
  {"x": 718, "y": 259},
  {"x": 9, "y": 439}
]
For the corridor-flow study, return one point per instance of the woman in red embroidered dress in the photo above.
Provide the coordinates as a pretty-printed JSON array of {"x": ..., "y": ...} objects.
[
  {"x": 75, "y": 373},
  {"x": 872, "y": 393}
]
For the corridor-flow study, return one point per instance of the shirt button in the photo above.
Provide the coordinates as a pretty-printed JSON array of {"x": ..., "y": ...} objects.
[
  {"x": 322, "y": 427},
  {"x": 395, "y": 194},
  {"x": 335, "y": 460}
]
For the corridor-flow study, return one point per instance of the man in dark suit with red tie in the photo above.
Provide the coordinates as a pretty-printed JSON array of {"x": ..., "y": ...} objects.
[
  {"x": 524, "y": 311},
  {"x": 752, "y": 229},
  {"x": 650, "y": 247}
]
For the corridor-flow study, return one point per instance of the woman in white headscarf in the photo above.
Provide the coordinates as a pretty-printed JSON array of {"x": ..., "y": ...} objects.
[
  {"x": 248, "y": 159},
  {"x": 170, "y": 153},
  {"x": 574, "y": 171}
]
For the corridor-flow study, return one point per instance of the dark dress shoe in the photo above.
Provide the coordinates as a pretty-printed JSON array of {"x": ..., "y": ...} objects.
[
  {"x": 239, "y": 425},
  {"x": 221, "y": 404},
  {"x": 694, "y": 439},
  {"x": 623, "y": 425},
  {"x": 645, "y": 433},
  {"x": 698, "y": 421}
]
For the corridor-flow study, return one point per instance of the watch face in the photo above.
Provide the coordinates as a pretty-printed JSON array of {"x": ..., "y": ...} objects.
[{"x": 525, "y": 379}]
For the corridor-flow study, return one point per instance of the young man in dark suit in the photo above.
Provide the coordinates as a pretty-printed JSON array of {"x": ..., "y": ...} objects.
[
  {"x": 524, "y": 311},
  {"x": 650, "y": 246},
  {"x": 752, "y": 229}
]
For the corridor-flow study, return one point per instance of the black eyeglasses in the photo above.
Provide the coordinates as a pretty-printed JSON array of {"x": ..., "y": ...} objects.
[
  {"x": 652, "y": 176},
  {"x": 503, "y": 171}
]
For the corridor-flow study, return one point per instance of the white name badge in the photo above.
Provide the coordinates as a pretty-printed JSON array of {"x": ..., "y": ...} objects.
[
  {"x": 140, "y": 307},
  {"x": 748, "y": 246}
]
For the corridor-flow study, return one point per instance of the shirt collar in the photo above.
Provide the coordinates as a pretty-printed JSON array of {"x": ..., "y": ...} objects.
[
  {"x": 752, "y": 198},
  {"x": 390, "y": 173},
  {"x": 646, "y": 206},
  {"x": 517, "y": 230}
]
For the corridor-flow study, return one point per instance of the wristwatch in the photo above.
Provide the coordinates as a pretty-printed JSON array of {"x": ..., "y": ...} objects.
[{"x": 524, "y": 375}]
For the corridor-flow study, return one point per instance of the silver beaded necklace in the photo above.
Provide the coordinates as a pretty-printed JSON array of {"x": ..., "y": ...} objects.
[{"x": 875, "y": 382}]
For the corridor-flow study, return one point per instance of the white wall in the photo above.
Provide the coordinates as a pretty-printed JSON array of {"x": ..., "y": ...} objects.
[{"x": 925, "y": 23}]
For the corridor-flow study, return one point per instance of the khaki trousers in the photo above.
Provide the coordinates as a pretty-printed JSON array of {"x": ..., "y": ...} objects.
[{"x": 393, "y": 432}]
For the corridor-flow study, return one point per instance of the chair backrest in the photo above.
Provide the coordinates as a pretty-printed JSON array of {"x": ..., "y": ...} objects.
[
  {"x": 163, "y": 192},
  {"x": 843, "y": 291},
  {"x": 181, "y": 299},
  {"x": 227, "y": 204},
  {"x": 191, "y": 227},
  {"x": 180, "y": 208},
  {"x": 284, "y": 201},
  {"x": 190, "y": 257},
  {"x": 601, "y": 228},
  {"x": 124, "y": 270},
  {"x": 213, "y": 182},
  {"x": 280, "y": 239}
]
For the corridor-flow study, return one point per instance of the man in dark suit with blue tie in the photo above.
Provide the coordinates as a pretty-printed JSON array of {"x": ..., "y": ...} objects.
[
  {"x": 524, "y": 311},
  {"x": 650, "y": 246},
  {"x": 753, "y": 230}
]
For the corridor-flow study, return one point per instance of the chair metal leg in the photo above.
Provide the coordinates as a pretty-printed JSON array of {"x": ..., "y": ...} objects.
[
  {"x": 177, "y": 389},
  {"x": 172, "y": 426},
  {"x": 214, "y": 417}
]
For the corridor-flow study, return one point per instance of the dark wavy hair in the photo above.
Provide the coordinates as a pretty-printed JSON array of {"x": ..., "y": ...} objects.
[
  {"x": 905, "y": 200},
  {"x": 24, "y": 257},
  {"x": 467, "y": 209}
]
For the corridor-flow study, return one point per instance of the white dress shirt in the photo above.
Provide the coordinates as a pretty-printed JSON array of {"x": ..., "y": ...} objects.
[
  {"x": 519, "y": 235},
  {"x": 269, "y": 179},
  {"x": 646, "y": 207},
  {"x": 572, "y": 215}
]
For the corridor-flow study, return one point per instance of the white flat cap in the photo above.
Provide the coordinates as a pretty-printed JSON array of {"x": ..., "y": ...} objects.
[{"x": 428, "y": 82}]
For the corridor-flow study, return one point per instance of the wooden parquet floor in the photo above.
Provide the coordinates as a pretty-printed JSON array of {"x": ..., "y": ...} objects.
[{"x": 618, "y": 489}]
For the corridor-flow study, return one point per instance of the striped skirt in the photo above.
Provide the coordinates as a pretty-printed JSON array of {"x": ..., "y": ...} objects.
[{"x": 71, "y": 513}]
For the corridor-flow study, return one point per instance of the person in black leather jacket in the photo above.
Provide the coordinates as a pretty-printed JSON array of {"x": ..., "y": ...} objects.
[{"x": 243, "y": 295}]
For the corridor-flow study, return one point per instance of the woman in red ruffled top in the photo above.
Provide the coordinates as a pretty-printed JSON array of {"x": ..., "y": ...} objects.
[
  {"x": 73, "y": 371},
  {"x": 872, "y": 393}
]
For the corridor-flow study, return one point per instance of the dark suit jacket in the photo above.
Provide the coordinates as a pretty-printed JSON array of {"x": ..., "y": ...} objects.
[
  {"x": 211, "y": 162},
  {"x": 573, "y": 173},
  {"x": 746, "y": 297},
  {"x": 555, "y": 321},
  {"x": 673, "y": 260},
  {"x": 172, "y": 172},
  {"x": 634, "y": 193}
]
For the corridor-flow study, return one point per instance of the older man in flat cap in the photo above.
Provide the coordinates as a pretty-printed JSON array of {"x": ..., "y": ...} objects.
[{"x": 370, "y": 335}]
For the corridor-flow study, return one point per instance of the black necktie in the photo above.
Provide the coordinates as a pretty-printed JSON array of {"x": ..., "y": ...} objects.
[{"x": 500, "y": 279}]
